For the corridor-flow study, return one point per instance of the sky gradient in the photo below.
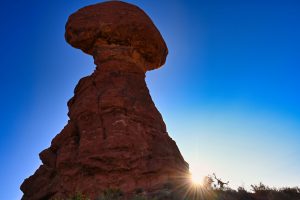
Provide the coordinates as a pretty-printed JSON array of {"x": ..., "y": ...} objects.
[{"x": 229, "y": 91}]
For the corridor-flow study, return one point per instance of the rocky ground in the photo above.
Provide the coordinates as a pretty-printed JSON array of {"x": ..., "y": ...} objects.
[{"x": 258, "y": 192}]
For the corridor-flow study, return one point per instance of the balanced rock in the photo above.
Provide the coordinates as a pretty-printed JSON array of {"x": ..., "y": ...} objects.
[{"x": 115, "y": 138}]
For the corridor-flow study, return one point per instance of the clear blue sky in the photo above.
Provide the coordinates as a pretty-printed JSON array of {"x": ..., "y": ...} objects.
[{"x": 229, "y": 92}]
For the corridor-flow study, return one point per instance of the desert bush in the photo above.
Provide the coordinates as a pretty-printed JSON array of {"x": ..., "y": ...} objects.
[
  {"x": 261, "y": 189},
  {"x": 139, "y": 197},
  {"x": 294, "y": 190},
  {"x": 111, "y": 194},
  {"x": 78, "y": 196},
  {"x": 208, "y": 182}
]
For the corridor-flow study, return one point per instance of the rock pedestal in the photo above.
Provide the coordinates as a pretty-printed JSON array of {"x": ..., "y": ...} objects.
[{"x": 115, "y": 138}]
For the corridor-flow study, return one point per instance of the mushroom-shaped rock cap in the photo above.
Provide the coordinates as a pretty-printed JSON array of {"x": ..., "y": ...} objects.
[{"x": 116, "y": 23}]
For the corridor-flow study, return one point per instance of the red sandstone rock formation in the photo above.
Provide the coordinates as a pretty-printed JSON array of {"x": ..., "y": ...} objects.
[{"x": 115, "y": 138}]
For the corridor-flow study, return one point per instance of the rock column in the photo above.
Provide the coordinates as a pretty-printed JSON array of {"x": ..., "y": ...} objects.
[{"x": 115, "y": 138}]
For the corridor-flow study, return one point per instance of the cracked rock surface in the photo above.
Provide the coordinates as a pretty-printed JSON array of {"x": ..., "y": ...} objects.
[{"x": 115, "y": 137}]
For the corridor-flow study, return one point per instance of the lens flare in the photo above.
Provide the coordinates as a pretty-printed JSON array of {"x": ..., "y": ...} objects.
[
  {"x": 192, "y": 187},
  {"x": 197, "y": 179}
]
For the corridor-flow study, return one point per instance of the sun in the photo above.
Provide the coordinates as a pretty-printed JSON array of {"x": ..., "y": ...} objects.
[{"x": 196, "y": 179}]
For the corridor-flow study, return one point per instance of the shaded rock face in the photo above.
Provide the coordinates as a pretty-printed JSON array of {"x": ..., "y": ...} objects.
[{"x": 115, "y": 138}]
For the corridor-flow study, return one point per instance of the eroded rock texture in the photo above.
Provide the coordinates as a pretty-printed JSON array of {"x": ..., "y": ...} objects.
[{"x": 115, "y": 138}]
